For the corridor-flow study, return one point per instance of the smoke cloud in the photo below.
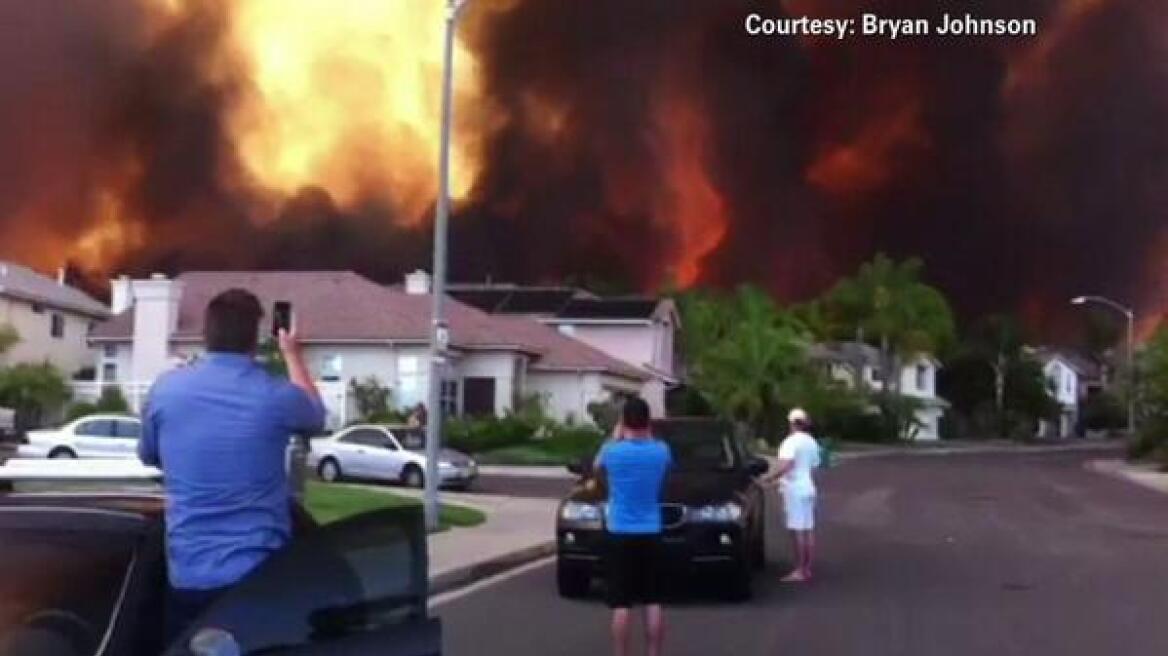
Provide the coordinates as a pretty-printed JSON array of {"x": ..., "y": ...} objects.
[{"x": 638, "y": 148}]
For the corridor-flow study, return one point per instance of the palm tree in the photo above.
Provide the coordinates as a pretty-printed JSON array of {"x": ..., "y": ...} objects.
[
  {"x": 887, "y": 301},
  {"x": 744, "y": 352}
]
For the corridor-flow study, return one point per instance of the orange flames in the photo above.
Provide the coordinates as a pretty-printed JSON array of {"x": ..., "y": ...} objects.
[{"x": 688, "y": 198}]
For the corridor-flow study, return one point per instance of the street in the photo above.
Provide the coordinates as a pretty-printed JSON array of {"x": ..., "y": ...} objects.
[{"x": 964, "y": 555}]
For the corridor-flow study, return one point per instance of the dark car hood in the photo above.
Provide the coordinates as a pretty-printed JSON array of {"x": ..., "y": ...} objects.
[{"x": 689, "y": 487}]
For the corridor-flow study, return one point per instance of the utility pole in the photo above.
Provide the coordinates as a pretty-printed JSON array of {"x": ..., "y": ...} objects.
[
  {"x": 1130, "y": 314},
  {"x": 439, "y": 334}
]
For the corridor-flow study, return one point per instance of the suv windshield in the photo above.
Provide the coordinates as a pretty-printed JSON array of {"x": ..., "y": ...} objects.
[
  {"x": 699, "y": 445},
  {"x": 49, "y": 572}
]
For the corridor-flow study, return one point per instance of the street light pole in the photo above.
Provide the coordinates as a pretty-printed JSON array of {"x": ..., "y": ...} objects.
[
  {"x": 1130, "y": 315},
  {"x": 438, "y": 331}
]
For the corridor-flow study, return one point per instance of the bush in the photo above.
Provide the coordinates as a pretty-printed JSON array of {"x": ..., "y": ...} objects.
[
  {"x": 605, "y": 414},
  {"x": 487, "y": 434},
  {"x": 371, "y": 398},
  {"x": 112, "y": 401},
  {"x": 573, "y": 443},
  {"x": 1151, "y": 440},
  {"x": 79, "y": 410}
]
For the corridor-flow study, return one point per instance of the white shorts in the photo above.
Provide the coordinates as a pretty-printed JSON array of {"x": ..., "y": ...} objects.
[{"x": 800, "y": 511}]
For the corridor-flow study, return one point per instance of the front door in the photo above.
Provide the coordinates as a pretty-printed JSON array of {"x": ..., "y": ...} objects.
[{"x": 478, "y": 397}]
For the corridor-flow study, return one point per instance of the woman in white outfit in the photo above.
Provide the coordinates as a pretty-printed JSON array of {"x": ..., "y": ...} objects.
[{"x": 798, "y": 458}]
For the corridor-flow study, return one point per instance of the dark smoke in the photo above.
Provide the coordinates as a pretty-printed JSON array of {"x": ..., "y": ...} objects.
[{"x": 1024, "y": 171}]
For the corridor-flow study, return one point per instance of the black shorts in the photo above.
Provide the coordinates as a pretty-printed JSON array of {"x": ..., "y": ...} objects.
[{"x": 632, "y": 570}]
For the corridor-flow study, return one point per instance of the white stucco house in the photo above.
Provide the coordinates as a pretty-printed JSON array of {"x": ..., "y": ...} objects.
[
  {"x": 858, "y": 365},
  {"x": 638, "y": 330},
  {"x": 354, "y": 328},
  {"x": 1069, "y": 377},
  {"x": 51, "y": 319}
]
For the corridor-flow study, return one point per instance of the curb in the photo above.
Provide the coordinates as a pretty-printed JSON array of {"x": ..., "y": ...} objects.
[
  {"x": 1120, "y": 470},
  {"x": 461, "y": 577},
  {"x": 975, "y": 451}
]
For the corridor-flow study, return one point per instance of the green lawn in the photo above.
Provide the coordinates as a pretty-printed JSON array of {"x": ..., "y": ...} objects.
[{"x": 329, "y": 502}]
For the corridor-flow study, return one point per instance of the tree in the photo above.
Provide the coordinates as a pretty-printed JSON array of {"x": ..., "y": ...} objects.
[
  {"x": 745, "y": 354},
  {"x": 994, "y": 386},
  {"x": 888, "y": 304},
  {"x": 1152, "y": 439},
  {"x": 371, "y": 398},
  {"x": 32, "y": 390}
]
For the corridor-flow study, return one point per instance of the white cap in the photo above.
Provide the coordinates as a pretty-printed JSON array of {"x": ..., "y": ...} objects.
[{"x": 797, "y": 414}]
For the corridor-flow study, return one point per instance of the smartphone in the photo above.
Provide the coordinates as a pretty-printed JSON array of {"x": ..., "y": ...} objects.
[{"x": 281, "y": 317}]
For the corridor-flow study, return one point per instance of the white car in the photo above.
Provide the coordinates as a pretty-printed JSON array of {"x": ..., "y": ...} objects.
[
  {"x": 387, "y": 453},
  {"x": 94, "y": 436}
]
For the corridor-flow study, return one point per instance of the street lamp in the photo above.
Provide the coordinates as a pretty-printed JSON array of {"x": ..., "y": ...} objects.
[
  {"x": 439, "y": 335},
  {"x": 1131, "y": 351}
]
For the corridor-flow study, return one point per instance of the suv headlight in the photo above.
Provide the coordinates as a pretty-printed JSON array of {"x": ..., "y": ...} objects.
[
  {"x": 575, "y": 511},
  {"x": 721, "y": 513}
]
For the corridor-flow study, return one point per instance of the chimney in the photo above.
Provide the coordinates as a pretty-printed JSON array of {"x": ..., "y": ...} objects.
[
  {"x": 120, "y": 294},
  {"x": 156, "y": 304},
  {"x": 418, "y": 283}
]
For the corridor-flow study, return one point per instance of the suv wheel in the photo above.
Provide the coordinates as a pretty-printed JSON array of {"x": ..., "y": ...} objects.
[{"x": 573, "y": 581}]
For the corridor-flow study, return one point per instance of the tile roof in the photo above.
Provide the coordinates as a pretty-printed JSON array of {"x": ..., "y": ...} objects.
[
  {"x": 22, "y": 282},
  {"x": 342, "y": 306}
]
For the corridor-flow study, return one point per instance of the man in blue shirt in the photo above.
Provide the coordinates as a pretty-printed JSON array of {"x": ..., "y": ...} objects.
[
  {"x": 634, "y": 465},
  {"x": 219, "y": 429}
]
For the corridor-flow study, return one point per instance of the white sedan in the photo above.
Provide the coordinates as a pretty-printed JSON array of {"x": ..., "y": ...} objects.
[
  {"x": 387, "y": 453},
  {"x": 94, "y": 436}
]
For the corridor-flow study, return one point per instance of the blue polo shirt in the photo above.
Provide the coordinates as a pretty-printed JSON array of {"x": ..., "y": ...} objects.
[
  {"x": 635, "y": 470},
  {"x": 219, "y": 429}
]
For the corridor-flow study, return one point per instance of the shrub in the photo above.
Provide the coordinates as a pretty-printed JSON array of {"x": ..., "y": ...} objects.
[
  {"x": 487, "y": 434},
  {"x": 573, "y": 443},
  {"x": 371, "y": 398},
  {"x": 111, "y": 400},
  {"x": 1104, "y": 411},
  {"x": 79, "y": 410},
  {"x": 605, "y": 414}
]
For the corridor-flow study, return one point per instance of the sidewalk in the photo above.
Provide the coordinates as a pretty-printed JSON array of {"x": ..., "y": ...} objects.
[
  {"x": 517, "y": 531},
  {"x": 526, "y": 471},
  {"x": 1145, "y": 474}
]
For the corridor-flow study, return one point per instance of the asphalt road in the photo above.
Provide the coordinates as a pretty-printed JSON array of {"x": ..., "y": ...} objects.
[{"x": 969, "y": 555}]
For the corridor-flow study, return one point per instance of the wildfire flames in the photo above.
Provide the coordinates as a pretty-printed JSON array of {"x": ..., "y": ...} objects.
[{"x": 651, "y": 146}]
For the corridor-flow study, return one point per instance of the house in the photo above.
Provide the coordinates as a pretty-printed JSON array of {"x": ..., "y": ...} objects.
[
  {"x": 353, "y": 329},
  {"x": 639, "y": 330},
  {"x": 858, "y": 365},
  {"x": 51, "y": 318},
  {"x": 1071, "y": 378}
]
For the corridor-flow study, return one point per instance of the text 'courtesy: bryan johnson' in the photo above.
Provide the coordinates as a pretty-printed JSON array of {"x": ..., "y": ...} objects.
[{"x": 876, "y": 26}]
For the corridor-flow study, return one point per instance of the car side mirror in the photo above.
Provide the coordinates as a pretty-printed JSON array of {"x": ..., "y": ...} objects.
[{"x": 758, "y": 466}]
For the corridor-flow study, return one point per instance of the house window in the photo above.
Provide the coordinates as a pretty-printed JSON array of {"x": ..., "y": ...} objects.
[
  {"x": 109, "y": 372},
  {"x": 57, "y": 327},
  {"x": 109, "y": 351},
  {"x": 449, "y": 398},
  {"x": 37, "y": 308},
  {"x": 332, "y": 367},
  {"x": 922, "y": 378}
]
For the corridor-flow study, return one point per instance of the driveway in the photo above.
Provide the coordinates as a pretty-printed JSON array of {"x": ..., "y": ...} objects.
[{"x": 967, "y": 555}]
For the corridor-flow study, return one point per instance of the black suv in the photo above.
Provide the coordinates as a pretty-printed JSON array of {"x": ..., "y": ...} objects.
[
  {"x": 712, "y": 508},
  {"x": 84, "y": 574}
]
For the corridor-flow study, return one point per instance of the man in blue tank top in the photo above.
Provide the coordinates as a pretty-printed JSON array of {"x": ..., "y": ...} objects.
[{"x": 635, "y": 465}]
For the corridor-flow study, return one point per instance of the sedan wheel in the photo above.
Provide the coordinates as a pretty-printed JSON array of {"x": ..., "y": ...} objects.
[
  {"x": 412, "y": 477},
  {"x": 61, "y": 453},
  {"x": 330, "y": 471},
  {"x": 572, "y": 581}
]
